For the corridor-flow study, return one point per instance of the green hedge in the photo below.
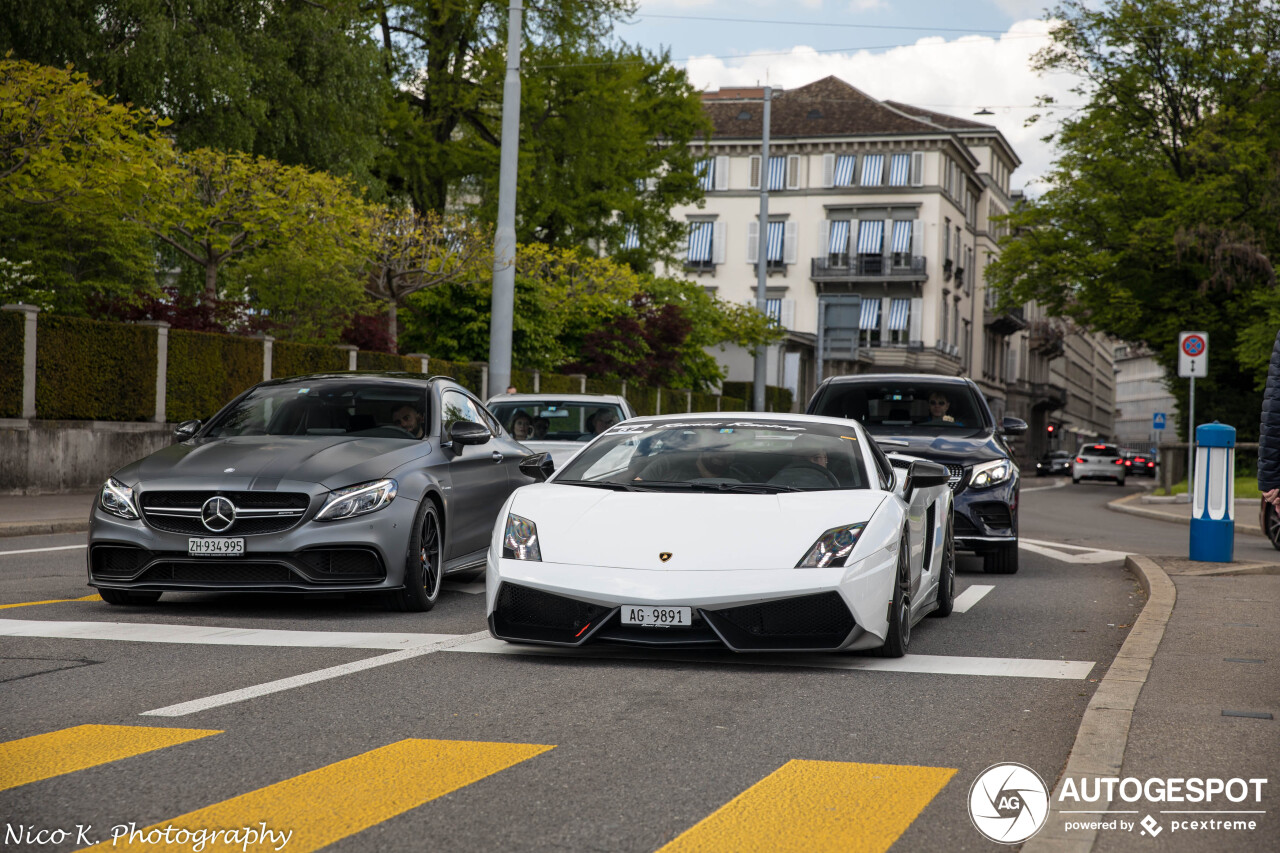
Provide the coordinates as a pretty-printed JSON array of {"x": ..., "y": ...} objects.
[
  {"x": 559, "y": 383},
  {"x": 523, "y": 380},
  {"x": 387, "y": 362},
  {"x": 206, "y": 371},
  {"x": 92, "y": 370},
  {"x": 11, "y": 345},
  {"x": 643, "y": 400},
  {"x": 775, "y": 399},
  {"x": 705, "y": 402},
  {"x": 732, "y": 404},
  {"x": 604, "y": 386},
  {"x": 469, "y": 375},
  {"x": 290, "y": 359}
]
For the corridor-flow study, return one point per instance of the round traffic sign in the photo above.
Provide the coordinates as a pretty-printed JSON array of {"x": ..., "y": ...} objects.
[{"x": 1193, "y": 345}]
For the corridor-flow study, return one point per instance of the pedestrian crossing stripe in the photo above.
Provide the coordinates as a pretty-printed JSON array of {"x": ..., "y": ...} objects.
[
  {"x": 339, "y": 800},
  {"x": 94, "y": 597},
  {"x": 817, "y": 806},
  {"x": 32, "y": 759}
]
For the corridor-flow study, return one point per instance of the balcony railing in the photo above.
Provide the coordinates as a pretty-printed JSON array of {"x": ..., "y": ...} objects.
[{"x": 868, "y": 266}]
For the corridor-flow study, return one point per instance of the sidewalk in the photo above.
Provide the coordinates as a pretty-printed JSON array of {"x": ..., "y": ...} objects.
[
  {"x": 1194, "y": 693},
  {"x": 27, "y": 515},
  {"x": 1180, "y": 513}
]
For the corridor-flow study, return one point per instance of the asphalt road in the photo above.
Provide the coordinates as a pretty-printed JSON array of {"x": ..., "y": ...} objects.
[{"x": 470, "y": 747}]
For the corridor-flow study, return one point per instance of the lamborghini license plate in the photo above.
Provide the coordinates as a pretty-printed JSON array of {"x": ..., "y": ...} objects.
[{"x": 657, "y": 617}]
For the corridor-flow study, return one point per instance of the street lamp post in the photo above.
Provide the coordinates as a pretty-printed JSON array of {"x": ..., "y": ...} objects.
[{"x": 504, "y": 240}]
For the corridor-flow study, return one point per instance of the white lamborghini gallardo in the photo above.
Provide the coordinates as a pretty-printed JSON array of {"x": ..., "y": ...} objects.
[{"x": 755, "y": 532}]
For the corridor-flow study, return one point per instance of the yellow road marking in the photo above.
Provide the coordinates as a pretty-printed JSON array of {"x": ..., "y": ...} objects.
[
  {"x": 31, "y": 759},
  {"x": 338, "y": 800},
  {"x": 816, "y": 806},
  {"x": 94, "y": 597}
]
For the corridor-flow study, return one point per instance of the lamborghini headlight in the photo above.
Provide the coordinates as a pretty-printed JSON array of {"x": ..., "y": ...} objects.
[
  {"x": 520, "y": 539},
  {"x": 832, "y": 547},
  {"x": 117, "y": 499},
  {"x": 358, "y": 500},
  {"x": 991, "y": 473}
]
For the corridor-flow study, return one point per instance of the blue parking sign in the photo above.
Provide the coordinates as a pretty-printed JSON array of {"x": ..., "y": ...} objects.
[{"x": 1157, "y": 420}]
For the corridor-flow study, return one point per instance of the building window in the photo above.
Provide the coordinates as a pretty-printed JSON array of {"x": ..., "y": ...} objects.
[
  {"x": 900, "y": 170},
  {"x": 871, "y": 246},
  {"x": 773, "y": 249},
  {"x": 838, "y": 244},
  {"x": 844, "y": 170},
  {"x": 872, "y": 170},
  {"x": 899, "y": 320},
  {"x": 946, "y": 315},
  {"x": 902, "y": 243},
  {"x": 631, "y": 236},
  {"x": 777, "y": 173},
  {"x": 700, "y": 238},
  {"x": 869, "y": 323},
  {"x": 705, "y": 171}
]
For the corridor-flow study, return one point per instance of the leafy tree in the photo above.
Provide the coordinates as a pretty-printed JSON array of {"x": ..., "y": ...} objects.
[
  {"x": 299, "y": 81},
  {"x": 213, "y": 206},
  {"x": 1164, "y": 204},
  {"x": 412, "y": 252}
]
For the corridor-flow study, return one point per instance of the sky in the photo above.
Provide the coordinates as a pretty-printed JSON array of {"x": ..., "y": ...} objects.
[{"x": 955, "y": 57}]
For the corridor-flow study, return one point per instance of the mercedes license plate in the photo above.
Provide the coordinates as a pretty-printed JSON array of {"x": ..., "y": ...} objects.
[
  {"x": 220, "y": 547},
  {"x": 657, "y": 617}
]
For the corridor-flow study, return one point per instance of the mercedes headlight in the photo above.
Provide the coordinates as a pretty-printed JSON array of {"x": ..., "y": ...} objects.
[
  {"x": 990, "y": 474},
  {"x": 117, "y": 499},
  {"x": 520, "y": 539},
  {"x": 358, "y": 500},
  {"x": 832, "y": 547}
]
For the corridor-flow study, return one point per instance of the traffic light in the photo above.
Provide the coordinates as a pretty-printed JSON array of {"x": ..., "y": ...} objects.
[{"x": 1049, "y": 428}]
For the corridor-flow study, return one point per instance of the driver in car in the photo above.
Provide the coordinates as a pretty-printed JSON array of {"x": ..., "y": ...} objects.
[
  {"x": 409, "y": 418},
  {"x": 939, "y": 406}
]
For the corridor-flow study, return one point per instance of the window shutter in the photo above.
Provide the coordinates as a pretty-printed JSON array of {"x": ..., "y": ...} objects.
[
  {"x": 917, "y": 168},
  {"x": 754, "y": 184},
  {"x": 722, "y": 173},
  {"x": 886, "y": 246},
  {"x": 718, "y": 232},
  {"x": 793, "y": 171},
  {"x": 828, "y": 170},
  {"x": 824, "y": 238},
  {"x": 789, "y": 247},
  {"x": 917, "y": 239},
  {"x": 917, "y": 309},
  {"x": 753, "y": 238}
]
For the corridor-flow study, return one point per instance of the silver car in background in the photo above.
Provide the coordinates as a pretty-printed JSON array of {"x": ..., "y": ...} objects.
[
  {"x": 558, "y": 424},
  {"x": 1099, "y": 462}
]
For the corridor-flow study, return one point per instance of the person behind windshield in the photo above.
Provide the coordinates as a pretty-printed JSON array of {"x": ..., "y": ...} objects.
[
  {"x": 541, "y": 426},
  {"x": 939, "y": 408},
  {"x": 601, "y": 420},
  {"x": 521, "y": 426},
  {"x": 409, "y": 418}
]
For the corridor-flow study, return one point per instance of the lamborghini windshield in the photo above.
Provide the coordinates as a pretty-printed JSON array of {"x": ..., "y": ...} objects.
[{"x": 727, "y": 455}]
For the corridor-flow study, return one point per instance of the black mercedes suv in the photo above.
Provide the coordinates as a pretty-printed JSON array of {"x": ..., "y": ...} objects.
[{"x": 943, "y": 419}]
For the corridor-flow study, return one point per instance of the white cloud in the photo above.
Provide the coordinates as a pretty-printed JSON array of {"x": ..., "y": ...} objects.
[{"x": 957, "y": 77}]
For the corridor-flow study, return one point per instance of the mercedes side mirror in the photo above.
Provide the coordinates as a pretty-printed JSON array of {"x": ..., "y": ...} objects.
[
  {"x": 538, "y": 466},
  {"x": 1013, "y": 426},
  {"x": 922, "y": 475},
  {"x": 186, "y": 430},
  {"x": 469, "y": 432}
]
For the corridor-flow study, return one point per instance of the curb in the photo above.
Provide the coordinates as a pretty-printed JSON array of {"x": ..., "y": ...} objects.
[
  {"x": 1123, "y": 505},
  {"x": 1104, "y": 730},
  {"x": 37, "y": 528}
]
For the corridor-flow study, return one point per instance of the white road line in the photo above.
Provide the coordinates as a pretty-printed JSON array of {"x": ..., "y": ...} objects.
[
  {"x": 205, "y": 635},
  {"x": 38, "y": 550},
  {"x": 929, "y": 664},
  {"x": 1044, "y": 488},
  {"x": 474, "y": 588},
  {"x": 971, "y": 596},
  {"x": 1057, "y": 551},
  {"x": 233, "y": 696}
]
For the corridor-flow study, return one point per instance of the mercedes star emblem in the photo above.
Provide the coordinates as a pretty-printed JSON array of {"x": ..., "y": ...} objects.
[{"x": 218, "y": 513}]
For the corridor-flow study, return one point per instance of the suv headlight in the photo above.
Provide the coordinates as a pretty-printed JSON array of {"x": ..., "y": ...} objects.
[
  {"x": 991, "y": 473},
  {"x": 832, "y": 547},
  {"x": 520, "y": 539},
  {"x": 358, "y": 500},
  {"x": 117, "y": 499}
]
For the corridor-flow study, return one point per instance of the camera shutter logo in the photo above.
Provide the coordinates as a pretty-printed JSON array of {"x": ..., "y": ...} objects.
[
  {"x": 1008, "y": 803},
  {"x": 218, "y": 514}
]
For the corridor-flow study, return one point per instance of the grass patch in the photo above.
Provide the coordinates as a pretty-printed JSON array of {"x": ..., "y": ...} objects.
[{"x": 1246, "y": 488}]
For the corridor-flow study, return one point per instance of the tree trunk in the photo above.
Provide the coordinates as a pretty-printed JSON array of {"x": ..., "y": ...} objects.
[
  {"x": 211, "y": 282},
  {"x": 392, "y": 329}
]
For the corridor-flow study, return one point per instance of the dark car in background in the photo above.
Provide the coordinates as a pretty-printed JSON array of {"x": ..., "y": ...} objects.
[
  {"x": 945, "y": 420},
  {"x": 1138, "y": 464},
  {"x": 1054, "y": 463},
  {"x": 334, "y": 483}
]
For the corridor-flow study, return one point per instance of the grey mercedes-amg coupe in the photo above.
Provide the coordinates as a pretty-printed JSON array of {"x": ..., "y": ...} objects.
[{"x": 338, "y": 482}]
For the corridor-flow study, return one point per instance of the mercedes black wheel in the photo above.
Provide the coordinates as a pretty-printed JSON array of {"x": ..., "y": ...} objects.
[
  {"x": 1002, "y": 560},
  {"x": 1271, "y": 523},
  {"x": 424, "y": 569}
]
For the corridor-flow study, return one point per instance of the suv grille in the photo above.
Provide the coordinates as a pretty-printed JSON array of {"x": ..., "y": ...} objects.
[{"x": 256, "y": 512}]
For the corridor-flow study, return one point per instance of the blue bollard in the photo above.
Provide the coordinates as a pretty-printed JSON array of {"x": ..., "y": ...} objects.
[{"x": 1213, "y": 503}]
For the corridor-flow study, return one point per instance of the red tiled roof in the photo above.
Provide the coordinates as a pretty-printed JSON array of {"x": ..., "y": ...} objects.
[{"x": 949, "y": 122}]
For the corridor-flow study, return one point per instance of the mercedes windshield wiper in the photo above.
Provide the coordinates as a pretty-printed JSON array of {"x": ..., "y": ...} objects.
[{"x": 596, "y": 484}]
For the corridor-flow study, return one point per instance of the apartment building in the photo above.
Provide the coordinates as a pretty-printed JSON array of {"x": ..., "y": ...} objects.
[
  {"x": 881, "y": 199},
  {"x": 1141, "y": 392}
]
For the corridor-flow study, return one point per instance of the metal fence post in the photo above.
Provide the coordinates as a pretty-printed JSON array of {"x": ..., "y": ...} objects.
[
  {"x": 422, "y": 357},
  {"x": 28, "y": 358},
  {"x": 351, "y": 354},
  {"x": 268, "y": 349},
  {"x": 657, "y": 405},
  {"x": 537, "y": 381},
  {"x": 162, "y": 366}
]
